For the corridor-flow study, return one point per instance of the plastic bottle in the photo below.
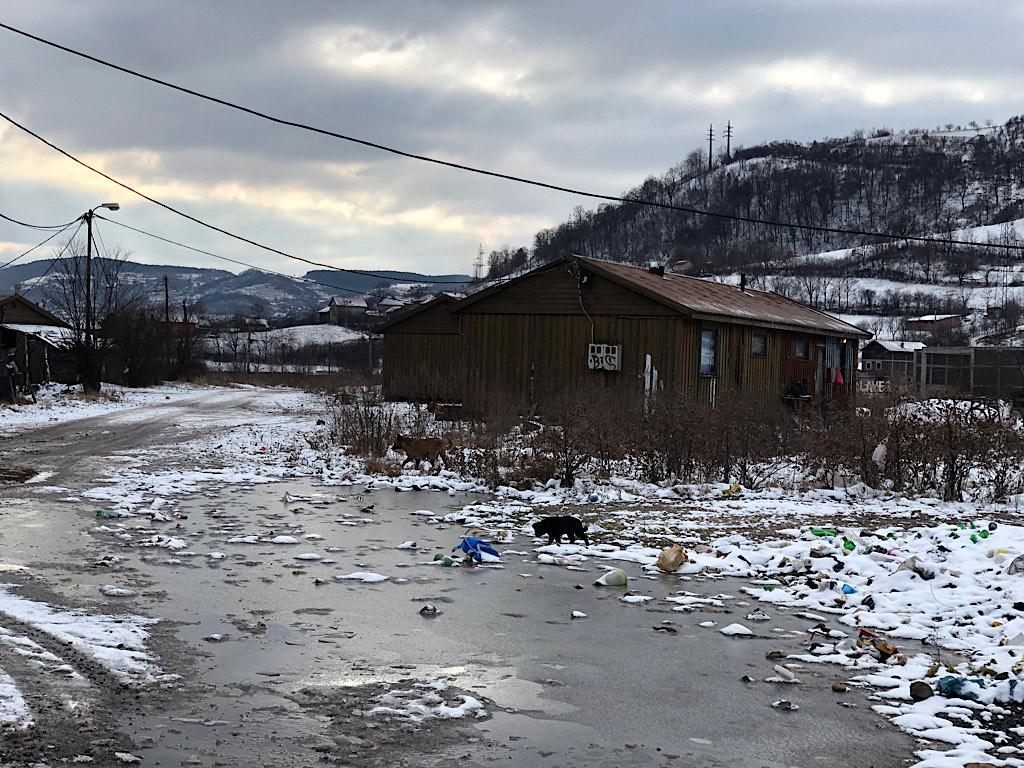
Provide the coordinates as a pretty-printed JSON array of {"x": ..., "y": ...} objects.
[{"x": 823, "y": 532}]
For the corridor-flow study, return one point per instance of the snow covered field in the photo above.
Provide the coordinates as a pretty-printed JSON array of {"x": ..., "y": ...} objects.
[{"x": 305, "y": 335}]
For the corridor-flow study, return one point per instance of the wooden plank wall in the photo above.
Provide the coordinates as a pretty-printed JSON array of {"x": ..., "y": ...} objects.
[{"x": 526, "y": 344}]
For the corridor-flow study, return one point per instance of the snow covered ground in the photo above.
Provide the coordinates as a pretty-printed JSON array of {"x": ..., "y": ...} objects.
[
  {"x": 895, "y": 590},
  {"x": 59, "y": 403}
]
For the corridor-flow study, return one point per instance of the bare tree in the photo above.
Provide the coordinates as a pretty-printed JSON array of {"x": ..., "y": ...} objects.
[{"x": 112, "y": 295}]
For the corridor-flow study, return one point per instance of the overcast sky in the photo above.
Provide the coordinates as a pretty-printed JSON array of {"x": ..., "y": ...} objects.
[{"x": 588, "y": 94}]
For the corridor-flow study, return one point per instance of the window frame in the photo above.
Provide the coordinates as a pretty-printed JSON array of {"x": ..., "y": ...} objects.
[
  {"x": 700, "y": 352},
  {"x": 801, "y": 342},
  {"x": 764, "y": 351}
]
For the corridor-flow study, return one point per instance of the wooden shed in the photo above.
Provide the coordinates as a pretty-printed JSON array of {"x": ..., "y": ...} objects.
[
  {"x": 580, "y": 322},
  {"x": 38, "y": 340}
]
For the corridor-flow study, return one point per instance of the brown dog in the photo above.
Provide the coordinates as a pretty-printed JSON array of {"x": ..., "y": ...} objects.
[{"x": 419, "y": 449}]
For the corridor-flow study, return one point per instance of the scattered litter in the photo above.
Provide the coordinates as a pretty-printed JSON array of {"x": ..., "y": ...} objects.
[
  {"x": 407, "y": 545},
  {"x": 478, "y": 549},
  {"x": 782, "y": 675},
  {"x": 672, "y": 559},
  {"x": 758, "y": 615},
  {"x": 785, "y": 705},
  {"x": 920, "y": 690},
  {"x": 616, "y": 577},
  {"x": 577, "y": 615},
  {"x": 429, "y": 610}
]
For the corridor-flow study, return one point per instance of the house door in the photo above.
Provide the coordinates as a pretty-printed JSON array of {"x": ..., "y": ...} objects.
[{"x": 821, "y": 371}]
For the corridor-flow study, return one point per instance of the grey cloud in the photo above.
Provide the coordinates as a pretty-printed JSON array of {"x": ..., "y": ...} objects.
[{"x": 593, "y": 107}]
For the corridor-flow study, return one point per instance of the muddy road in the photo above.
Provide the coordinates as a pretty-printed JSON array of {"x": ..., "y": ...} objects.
[{"x": 280, "y": 663}]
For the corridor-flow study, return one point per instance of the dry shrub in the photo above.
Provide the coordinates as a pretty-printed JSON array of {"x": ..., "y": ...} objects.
[{"x": 363, "y": 424}]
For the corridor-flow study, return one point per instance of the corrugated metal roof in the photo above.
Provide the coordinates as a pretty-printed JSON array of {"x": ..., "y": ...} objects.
[
  {"x": 713, "y": 300},
  {"x": 891, "y": 345},
  {"x": 54, "y": 335}
]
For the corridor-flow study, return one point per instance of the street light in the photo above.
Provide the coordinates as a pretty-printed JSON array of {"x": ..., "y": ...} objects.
[{"x": 90, "y": 377}]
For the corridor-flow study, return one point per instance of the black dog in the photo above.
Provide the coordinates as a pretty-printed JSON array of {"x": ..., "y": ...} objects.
[{"x": 557, "y": 527}]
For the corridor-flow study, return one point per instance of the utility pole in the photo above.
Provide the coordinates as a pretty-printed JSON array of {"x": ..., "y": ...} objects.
[
  {"x": 90, "y": 371},
  {"x": 87, "y": 382},
  {"x": 711, "y": 142},
  {"x": 728, "y": 140},
  {"x": 478, "y": 265},
  {"x": 167, "y": 321}
]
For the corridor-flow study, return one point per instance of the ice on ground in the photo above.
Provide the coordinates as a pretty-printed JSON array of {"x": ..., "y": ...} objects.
[
  {"x": 14, "y": 712},
  {"x": 284, "y": 540},
  {"x": 118, "y": 642},
  {"x": 310, "y": 556},
  {"x": 636, "y": 599},
  {"x": 112, "y": 590},
  {"x": 367, "y": 577},
  {"x": 425, "y": 701}
]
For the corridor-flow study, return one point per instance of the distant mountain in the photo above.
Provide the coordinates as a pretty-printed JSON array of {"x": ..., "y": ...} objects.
[
  {"x": 224, "y": 293},
  {"x": 363, "y": 283}
]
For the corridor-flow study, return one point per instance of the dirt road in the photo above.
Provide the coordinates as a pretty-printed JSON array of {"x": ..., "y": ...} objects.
[{"x": 280, "y": 663}]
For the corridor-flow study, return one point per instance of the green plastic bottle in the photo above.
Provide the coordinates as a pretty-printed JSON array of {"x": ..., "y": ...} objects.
[
  {"x": 848, "y": 545},
  {"x": 823, "y": 532}
]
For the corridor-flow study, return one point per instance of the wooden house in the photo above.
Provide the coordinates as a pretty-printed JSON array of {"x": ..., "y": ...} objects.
[
  {"x": 38, "y": 340},
  {"x": 888, "y": 361},
  {"x": 932, "y": 323},
  {"x": 578, "y": 322}
]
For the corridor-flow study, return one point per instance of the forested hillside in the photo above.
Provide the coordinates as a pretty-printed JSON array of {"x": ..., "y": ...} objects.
[
  {"x": 906, "y": 183},
  {"x": 960, "y": 183}
]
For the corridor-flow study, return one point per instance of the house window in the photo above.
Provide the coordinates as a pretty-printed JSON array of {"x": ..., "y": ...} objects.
[
  {"x": 708, "y": 352},
  {"x": 759, "y": 345},
  {"x": 801, "y": 349}
]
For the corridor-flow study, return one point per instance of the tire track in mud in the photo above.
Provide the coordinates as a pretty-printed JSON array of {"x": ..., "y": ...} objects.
[{"x": 72, "y": 715}]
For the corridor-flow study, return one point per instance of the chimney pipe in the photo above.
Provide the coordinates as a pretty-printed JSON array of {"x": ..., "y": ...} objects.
[
  {"x": 743, "y": 282},
  {"x": 657, "y": 269}
]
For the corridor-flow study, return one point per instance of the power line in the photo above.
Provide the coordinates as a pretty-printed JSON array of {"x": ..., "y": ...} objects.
[
  {"x": 202, "y": 223},
  {"x": 233, "y": 261},
  {"x": 612, "y": 198},
  {"x": 37, "y": 226},
  {"x": 57, "y": 258},
  {"x": 40, "y": 245},
  {"x": 436, "y": 161}
]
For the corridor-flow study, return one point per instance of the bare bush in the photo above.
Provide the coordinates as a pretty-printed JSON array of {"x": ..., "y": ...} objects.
[{"x": 363, "y": 424}]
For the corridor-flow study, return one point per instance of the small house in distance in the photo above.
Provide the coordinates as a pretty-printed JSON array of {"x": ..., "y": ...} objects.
[
  {"x": 343, "y": 311},
  {"x": 579, "y": 322},
  {"x": 932, "y": 323},
  {"x": 886, "y": 361},
  {"x": 38, "y": 340}
]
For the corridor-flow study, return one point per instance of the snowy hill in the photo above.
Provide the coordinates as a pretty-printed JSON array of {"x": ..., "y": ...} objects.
[
  {"x": 306, "y": 335},
  {"x": 223, "y": 294}
]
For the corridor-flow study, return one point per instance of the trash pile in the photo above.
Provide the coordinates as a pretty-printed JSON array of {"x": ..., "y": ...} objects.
[{"x": 936, "y": 618}]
